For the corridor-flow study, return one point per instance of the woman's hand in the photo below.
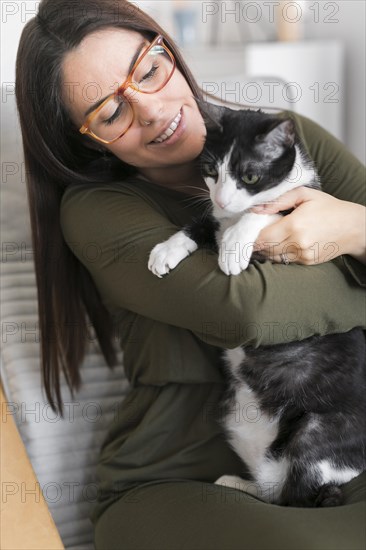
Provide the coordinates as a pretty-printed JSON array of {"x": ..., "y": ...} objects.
[{"x": 320, "y": 228}]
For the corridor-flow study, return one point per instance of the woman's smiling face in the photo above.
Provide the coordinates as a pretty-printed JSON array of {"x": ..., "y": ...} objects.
[{"x": 102, "y": 61}]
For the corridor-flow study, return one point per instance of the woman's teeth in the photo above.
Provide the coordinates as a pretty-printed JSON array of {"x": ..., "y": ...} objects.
[{"x": 170, "y": 131}]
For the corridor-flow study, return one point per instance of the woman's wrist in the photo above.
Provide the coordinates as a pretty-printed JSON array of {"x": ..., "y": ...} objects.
[{"x": 357, "y": 235}]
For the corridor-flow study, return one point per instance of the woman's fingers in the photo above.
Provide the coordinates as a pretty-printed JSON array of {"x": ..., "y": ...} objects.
[{"x": 291, "y": 199}]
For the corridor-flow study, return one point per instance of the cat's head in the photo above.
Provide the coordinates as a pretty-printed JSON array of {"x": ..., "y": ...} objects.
[{"x": 246, "y": 153}]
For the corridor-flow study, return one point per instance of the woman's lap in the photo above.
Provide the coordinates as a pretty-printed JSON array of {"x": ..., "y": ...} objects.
[{"x": 194, "y": 515}]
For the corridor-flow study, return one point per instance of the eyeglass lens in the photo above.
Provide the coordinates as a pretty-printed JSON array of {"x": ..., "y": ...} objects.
[{"x": 149, "y": 76}]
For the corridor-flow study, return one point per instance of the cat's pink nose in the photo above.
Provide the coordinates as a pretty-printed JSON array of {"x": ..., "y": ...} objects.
[{"x": 221, "y": 203}]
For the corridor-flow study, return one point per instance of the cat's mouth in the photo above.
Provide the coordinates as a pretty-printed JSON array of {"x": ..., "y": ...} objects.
[{"x": 169, "y": 131}]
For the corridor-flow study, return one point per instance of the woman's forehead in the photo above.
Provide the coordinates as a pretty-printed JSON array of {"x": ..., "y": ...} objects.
[{"x": 97, "y": 66}]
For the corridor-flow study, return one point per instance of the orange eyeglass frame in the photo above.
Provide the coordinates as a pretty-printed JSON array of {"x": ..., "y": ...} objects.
[{"x": 128, "y": 83}]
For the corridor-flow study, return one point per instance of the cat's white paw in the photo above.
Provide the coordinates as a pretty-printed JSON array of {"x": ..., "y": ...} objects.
[
  {"x": 228, "y": 481},
  {"x": 234, "y": 254},
  {"x": 236, "y": 482},
  {"x": 167, "y": 255}
]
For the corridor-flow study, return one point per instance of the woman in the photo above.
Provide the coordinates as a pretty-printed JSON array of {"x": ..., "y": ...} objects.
[{"x": 111, "y": 179}]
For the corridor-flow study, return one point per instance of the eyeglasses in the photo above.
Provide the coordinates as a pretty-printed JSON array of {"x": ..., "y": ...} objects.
[{"x": 151, "y": 72}]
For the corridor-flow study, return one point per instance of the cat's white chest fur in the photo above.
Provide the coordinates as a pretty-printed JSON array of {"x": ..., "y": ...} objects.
[{"x": 236, "y": 240}]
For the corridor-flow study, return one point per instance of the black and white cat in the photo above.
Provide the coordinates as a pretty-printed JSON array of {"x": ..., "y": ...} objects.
[{"x": 308, "y": 435}]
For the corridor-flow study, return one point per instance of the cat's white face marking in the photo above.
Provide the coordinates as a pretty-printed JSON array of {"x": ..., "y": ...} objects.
[
  {"x": 229, "y": 201},
  {"x": 225, "y": 196}
]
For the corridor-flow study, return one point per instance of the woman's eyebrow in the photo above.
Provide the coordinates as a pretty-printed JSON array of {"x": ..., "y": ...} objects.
[{"x": 133, "y": 61}]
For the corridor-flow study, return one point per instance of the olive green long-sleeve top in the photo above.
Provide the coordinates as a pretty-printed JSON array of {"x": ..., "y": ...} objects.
[{"x": 171, "y": 329}]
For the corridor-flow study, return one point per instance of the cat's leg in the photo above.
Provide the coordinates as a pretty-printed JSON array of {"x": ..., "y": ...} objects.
[
  {"x": 237, "y": 243},
  {"x": 168, "y": 254}
]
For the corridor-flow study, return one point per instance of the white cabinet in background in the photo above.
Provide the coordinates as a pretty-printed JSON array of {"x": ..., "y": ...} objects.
[
  {"x": 314, "y": 73},
  {"x": 306, "y": 77}
]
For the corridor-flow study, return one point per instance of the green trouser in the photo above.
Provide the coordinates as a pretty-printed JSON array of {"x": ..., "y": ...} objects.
[{"x": 193, "y": 515}]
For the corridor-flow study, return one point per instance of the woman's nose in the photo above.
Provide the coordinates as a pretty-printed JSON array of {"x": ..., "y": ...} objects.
[{"x": 147, "y": 108}]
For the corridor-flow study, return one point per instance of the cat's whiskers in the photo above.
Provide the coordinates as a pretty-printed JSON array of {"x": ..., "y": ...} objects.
[
  {"x": 201, "y": 197},
  {"x": 201, "y": 189},
  {"x": 207, "y": 211},
  {"x": 191, "y": 201}
]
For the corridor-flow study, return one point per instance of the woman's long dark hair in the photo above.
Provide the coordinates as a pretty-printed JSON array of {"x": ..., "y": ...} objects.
[{"x": 57, "y": 156}]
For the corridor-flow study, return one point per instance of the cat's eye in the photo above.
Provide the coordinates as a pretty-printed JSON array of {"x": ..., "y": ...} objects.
[
  {"x": 209, "y": 170},
  {"x": 250, "y": 179}
]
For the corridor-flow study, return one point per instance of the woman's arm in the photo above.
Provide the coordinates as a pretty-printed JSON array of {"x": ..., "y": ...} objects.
[{"x": 112, "y": 229}]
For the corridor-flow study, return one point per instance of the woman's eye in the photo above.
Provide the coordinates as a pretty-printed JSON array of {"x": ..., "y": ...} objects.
[
  {"x": 250, "y": 179},
  {"x": 209, "y": 170},
  {"x": 150, "y": 74},
  {"x": 115, "y": 115}
]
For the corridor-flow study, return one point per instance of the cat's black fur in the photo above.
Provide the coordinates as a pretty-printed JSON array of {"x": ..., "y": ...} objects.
[{"x": 310, "y": 395}]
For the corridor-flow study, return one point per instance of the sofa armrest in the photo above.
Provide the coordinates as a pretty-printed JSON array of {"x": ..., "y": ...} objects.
[{"x": 26, "y": 521}]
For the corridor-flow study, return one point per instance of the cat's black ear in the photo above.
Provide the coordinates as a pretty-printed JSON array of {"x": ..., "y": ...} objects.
[
  {"x": 211, "y": 114},
  {"x": 282, "y": 133},
  {"x": 280, "y": 137}
]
